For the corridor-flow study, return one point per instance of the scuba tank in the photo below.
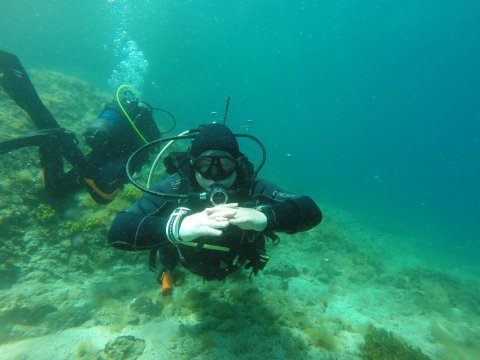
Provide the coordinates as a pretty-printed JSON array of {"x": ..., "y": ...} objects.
[{"x": 112, "y": 135}]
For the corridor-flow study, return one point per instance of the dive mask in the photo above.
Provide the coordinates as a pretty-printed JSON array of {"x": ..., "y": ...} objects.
[{"x": 215, "y": 164}]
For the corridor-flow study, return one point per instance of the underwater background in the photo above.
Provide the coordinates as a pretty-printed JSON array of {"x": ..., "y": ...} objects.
[{"x": 372, "y": 108}]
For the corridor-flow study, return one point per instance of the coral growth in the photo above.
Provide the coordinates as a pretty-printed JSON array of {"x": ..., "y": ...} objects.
[
  {"x": 44, "y": 213},
  {"x": 382, "y": 345}
]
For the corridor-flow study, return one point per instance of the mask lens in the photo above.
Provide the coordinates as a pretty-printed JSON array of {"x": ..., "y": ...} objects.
[
  {"x": 215, "y": 167},
  {"x": 203, "y": 164},
  {"x": 228, "y": 164}
]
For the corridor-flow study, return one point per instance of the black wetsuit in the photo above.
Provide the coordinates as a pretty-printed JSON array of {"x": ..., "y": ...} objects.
[
  {"x": 101, "y": 172},
  {"x": 143, "y": 227}
]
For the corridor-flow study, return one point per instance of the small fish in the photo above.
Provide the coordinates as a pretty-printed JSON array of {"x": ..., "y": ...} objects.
[
  {"x": 250, "y": 121},
  {"x": 214, "y": 113}
]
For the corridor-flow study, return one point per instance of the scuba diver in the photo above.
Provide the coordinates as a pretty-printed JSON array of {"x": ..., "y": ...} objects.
[
  {"x": 212, "y": 214},
  {"x": 122, "y": 127}
]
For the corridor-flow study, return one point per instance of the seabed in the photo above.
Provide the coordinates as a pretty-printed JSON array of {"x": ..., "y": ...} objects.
[{"x": 339, "y": 291}]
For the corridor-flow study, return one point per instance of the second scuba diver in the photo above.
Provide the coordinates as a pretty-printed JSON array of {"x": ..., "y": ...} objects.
[{"x": 122, "y": 127}]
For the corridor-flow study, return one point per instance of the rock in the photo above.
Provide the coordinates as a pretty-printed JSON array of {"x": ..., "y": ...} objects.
[
  {"x": 123, "y": 348},
  {"x": 144, "y": 305},
  {"x": 284, "y": 271}
]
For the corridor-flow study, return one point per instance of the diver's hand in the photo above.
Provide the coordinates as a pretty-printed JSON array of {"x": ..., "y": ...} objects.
[
  {"x": 202, "y": 224},
  {"x": 249, "y": 219},
  {"x": 223, "y": 211}
]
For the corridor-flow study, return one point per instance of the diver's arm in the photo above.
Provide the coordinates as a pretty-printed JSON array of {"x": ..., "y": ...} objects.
[
  {"x": 134, "y": 232},
  {"x": 143, "y": 225},
  {"x": 287, "y": 212}
]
